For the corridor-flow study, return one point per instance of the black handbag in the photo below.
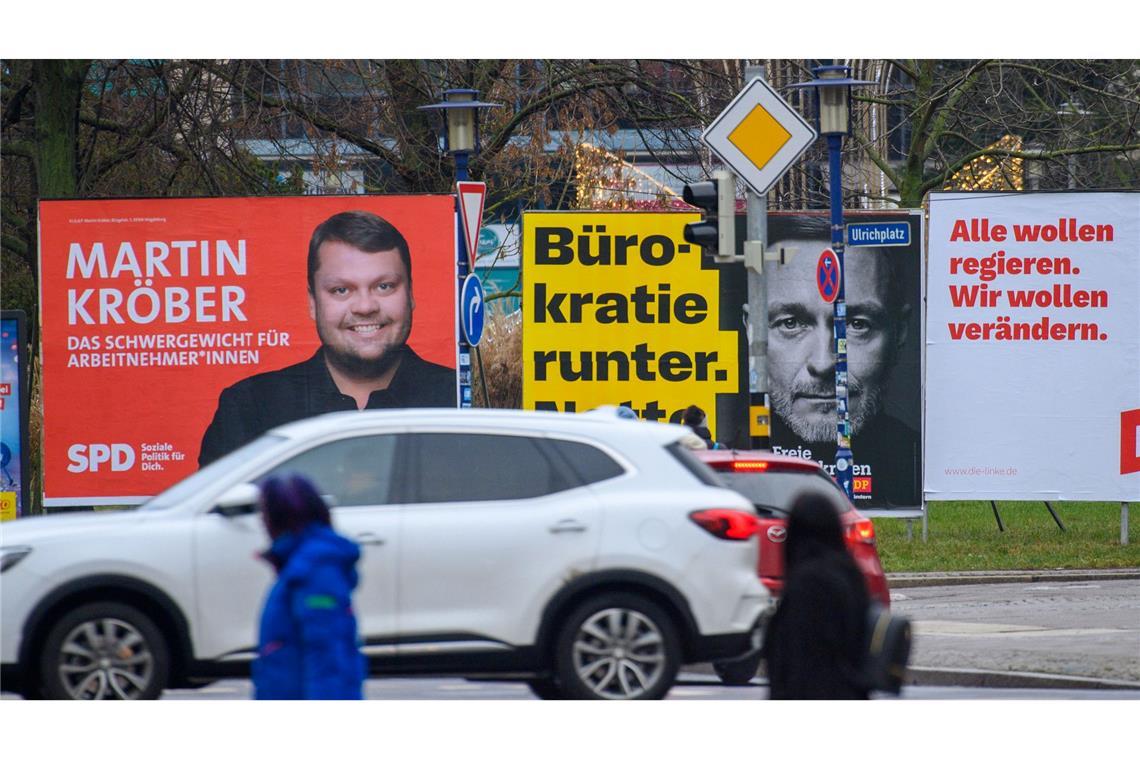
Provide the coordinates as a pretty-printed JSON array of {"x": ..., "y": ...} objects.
[{"x": 887, "y": 650}]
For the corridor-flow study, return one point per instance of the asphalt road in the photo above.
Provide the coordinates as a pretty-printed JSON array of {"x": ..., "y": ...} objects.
[
  {"x": 690, "y": 687},
  {"x": 1049, "y": 638}
]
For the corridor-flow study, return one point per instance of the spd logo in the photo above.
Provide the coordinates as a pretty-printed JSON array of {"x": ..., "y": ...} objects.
[{"x": 89, "y": 457}]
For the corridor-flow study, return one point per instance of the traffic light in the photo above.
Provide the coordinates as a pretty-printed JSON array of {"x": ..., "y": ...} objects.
[{"x": 716, "y": 233}]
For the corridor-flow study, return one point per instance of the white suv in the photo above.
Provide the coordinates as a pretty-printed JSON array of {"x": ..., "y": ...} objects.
[{"x": 588, "y": 555}]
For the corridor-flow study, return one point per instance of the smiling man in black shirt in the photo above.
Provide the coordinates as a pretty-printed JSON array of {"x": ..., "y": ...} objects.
[{"x": 360, "y": 298}]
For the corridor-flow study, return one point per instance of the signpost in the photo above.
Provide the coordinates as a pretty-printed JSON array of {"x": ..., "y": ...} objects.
[
  {"x": 471, "y": 304},
  {"x": 878, "y": 234},
  {"x": 471, "y": 198},
  {"x": 827, "y": 275},
  {"x": 759, "y": 136}
]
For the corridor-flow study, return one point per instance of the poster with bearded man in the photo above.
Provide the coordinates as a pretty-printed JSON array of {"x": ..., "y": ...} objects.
[{"x": 884, "y": 355}]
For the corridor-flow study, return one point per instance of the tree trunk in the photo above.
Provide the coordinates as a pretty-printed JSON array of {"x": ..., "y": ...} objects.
[{"x": 58, "y": 88}]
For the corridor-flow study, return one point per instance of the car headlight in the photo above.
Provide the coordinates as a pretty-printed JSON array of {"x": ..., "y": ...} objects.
[{"x": 10, "y": 555}]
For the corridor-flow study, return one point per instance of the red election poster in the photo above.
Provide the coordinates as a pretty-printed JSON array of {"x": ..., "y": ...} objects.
[{"x": 152, "y": 307}]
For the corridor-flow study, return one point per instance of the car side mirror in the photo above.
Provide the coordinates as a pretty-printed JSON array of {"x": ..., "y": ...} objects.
[{"x": 240, "y": 499}]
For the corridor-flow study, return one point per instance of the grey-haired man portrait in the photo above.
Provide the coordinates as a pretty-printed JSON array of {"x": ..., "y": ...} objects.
[{"x": 884, "y": 409}]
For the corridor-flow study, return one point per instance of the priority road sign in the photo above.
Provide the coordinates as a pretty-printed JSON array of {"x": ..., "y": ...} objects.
[
  {"x": 759, "y": 135},
  {"x": 827, "y": 275}
]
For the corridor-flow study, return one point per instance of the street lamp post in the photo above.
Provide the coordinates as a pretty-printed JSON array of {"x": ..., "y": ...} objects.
[
  {"x": 461, "y": 140},
  {"x": 832, "y": 88},
  {"x": 1071, "y": 113}
]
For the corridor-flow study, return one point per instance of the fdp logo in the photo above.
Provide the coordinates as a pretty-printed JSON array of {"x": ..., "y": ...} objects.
[
  {"x": 861, "y": 485},
  {"x": 89, "y": 457}
]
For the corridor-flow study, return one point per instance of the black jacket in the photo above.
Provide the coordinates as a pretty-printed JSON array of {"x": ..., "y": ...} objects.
[
  {"x": 259, "y": 403},
  {"x": 814, "y": 645}
]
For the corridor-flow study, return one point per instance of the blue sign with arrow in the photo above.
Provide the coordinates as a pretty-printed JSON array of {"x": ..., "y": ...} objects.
[{"x": 471, "y": 304}]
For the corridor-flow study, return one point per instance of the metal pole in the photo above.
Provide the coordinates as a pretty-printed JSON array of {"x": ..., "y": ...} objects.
[
  {"x": 1056, "y": 517},
  {"x": 925, "y": 521},
  {"x": 1123, "y": 523},
  {"x": 993, "y": 506},
  {"x": 843, "y": 459},
  {"x": 757, "y": 308},
  {"x": 465, "y": 400}
]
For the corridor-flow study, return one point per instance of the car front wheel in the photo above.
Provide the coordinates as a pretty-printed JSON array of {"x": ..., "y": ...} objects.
[
  {"x": 617, "y": 646},
  {"x": 104, "y": 650}
]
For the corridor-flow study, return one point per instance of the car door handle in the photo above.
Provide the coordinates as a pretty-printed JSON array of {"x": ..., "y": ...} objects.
[
  {"x": 369, "y": 539},
  {"x": 568, "y": 526}
]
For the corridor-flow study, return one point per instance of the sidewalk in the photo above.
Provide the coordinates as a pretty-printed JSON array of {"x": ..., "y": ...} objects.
[
  {"x": 929, "y": 664},
  {"x": 934, "y": 673}
]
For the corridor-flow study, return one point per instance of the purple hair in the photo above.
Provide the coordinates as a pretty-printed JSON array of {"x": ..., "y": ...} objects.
[{"x": 290, "y": 503}]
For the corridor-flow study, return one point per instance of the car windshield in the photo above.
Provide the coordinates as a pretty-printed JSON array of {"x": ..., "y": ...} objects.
[
  {"x": 194, "y": 483},
  {"x": 774, "y": 491}
]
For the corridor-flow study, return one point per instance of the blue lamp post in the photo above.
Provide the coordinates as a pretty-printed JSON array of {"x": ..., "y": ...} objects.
[
  {"x": 832, "y": 87},
  {"x": 461, "y": 140}
]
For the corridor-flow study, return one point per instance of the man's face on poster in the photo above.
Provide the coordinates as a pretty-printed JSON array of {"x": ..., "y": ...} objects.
[
  {"x": 362, "y": 305},
  {"x": 801, "y": 343}
]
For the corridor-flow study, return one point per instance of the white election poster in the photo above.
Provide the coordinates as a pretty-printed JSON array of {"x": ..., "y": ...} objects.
[{"x": 1033, "y": 347}]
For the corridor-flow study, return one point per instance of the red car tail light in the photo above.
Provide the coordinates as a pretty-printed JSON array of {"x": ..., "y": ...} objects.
[
  {"x": 749, "y": 466},
  {"x": 727, "y": 524},
  {"x": 861, "y": 531}
]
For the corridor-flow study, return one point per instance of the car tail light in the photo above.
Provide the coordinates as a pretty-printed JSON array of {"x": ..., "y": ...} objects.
[
  {"x": 749, "y": 466},
  {"x": 862, "y": 531},
  {"x": 728, "y": 524}
]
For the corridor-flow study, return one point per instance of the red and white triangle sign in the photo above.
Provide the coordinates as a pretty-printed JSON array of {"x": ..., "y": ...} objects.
[{"x": 471, "y": 196}]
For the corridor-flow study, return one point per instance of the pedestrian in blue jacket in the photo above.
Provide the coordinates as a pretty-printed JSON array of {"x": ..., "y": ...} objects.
[{"x": 307, "y": 644}]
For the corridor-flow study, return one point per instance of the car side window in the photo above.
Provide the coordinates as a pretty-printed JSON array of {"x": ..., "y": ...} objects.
[
  {"x": 482, "y": 467},
  {"x": 348, "y": 473},
  {"x": 589, "y": 463}
]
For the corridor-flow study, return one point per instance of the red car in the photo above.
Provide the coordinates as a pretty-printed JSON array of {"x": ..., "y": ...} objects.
[{"x": 771, "y": 482}]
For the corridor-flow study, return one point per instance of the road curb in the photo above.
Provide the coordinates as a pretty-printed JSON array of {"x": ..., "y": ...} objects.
[{"x": 914, "y": 580}]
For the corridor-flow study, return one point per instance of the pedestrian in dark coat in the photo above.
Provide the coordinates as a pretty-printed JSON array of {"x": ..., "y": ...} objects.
[
  {"x": 307, "y": 645},
  {"x": 814, "y": 646},
  {"x": 695, "y": 419}
]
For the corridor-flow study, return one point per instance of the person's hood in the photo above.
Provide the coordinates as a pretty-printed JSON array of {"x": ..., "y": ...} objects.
[
  {"x": 814, "y": 530},
  {"x": 299, "y": 554}
]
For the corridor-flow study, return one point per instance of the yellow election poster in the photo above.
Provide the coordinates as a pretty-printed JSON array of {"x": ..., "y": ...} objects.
[{"x": 618, "y": 310}]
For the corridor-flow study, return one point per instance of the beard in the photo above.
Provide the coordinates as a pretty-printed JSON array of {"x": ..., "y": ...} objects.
[
  {"x": 822, "y": 428},
  {"x": 361, "y": 367}
]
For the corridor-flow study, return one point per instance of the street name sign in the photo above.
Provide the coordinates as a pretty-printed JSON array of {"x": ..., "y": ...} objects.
[
  {"x": 878, "y": 234},
  {"x": 759, "y": 136}
]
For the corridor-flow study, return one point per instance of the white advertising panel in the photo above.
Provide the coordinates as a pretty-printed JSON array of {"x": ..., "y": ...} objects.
[{"x": 1033, "y": 347}]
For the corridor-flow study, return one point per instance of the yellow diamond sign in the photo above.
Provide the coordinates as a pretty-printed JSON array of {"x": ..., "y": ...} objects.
[{"x": 759, "y": 136}]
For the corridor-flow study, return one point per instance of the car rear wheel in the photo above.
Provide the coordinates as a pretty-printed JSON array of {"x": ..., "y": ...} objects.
[
  {"x": 104, "y": 650},
  {"x": 617, "y": 646},
  {"x": 737, "y": 672}
]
